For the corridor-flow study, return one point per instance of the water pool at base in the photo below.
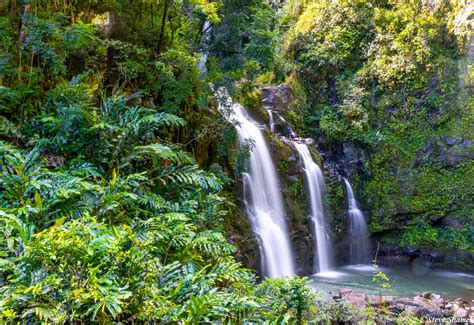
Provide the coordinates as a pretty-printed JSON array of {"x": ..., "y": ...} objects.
[{"x": 405, "y": 281}]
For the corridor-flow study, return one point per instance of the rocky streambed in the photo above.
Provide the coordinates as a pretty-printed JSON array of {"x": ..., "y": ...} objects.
[{"x": 428, "y": 306}]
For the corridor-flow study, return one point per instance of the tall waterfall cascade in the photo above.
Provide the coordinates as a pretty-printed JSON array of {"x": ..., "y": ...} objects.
[
  {"x": 315, "y": 182},
  {"x": 262, "y": 195},
  {"x": 359, "y": 234}
]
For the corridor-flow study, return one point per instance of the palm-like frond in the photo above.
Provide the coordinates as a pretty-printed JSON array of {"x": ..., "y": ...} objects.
[
  {"x": 10, "y": 222},
  {"x": 212, "y": 243},
  {"x": 158, "y": 151},
  {"x": 229, "y": 271},
  {"x": 190, "y": 175},
  {"x": 17, "y": 171}
]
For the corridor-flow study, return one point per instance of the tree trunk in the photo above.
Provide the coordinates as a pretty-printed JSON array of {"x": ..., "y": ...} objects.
[
  {"x": 12, "y": 7},
  {"x": 163, "y": 23},
  {"x": 152, "y": 13}
]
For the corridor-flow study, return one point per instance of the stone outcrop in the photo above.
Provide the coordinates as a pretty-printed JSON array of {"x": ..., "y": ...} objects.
[
  {"x": 105, "y": 23},
  {"x": 277, "y": 98},
  {"x": 277, "y": 101},
  {"x": 343, "y": 160},
  {"x": 446, "y": 151}
]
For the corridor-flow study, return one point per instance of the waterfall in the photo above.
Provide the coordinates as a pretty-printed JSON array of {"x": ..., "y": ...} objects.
[
  {"x": 315, "y": 182},
  {"x": 271, "y": 122},
  {"x": 284, "y": 128},
  {"x": 359, "y": 248},
  {"x": 263, "y": 198},
  {"x": 201, "y": 64}
]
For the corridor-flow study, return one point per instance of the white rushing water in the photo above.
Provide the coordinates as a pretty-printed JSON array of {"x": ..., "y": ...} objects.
[
  {"x": 315, "y": 182},
  {"x": 271, "y": 122},
  {"x": 359, "y": 249},
  {"x": 201, "y": 64},
  {"x": 263, "y": 198}
]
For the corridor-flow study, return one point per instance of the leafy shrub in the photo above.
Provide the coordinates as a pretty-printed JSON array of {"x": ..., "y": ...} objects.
[
  {"x": 293, "y": 297},
  {"x": 88, "y": 270}
]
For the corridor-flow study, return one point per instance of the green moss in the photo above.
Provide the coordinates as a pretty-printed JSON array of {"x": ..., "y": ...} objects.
[
  {"x": 283, "y": 166},
  {"x": 398, "y": 100},
  {"x": 335, "y": 200},
  {"x": 428, "y": 192},
  {"x": 437, "y": 237},
  {"x": 249, "y": 95},
  {"x": 297, "y": 187}
]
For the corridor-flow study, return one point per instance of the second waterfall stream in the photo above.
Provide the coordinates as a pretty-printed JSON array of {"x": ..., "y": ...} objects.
[
  {"x": 315, "y": 180},
  {"x": 359, "y": 233}
]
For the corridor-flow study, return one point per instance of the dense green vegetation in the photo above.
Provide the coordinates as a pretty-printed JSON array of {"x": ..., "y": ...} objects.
[
  {"x": 388, "y": 77},
  {"x": 117, "y": 173},
  {"x": 391, "y": 79},
  {"x": 104, "y": 214}
]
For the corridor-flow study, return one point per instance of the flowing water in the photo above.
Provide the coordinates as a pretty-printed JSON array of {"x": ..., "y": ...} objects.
[
  {"x": 315, "y": 180},
  {"x": 201, "y": 64},
  {"x": 404, "y": 281},
  {"x": 263, "y": 198},
  {"x": 264, "y": 207},
  {"x": 271, "y": 122},
  {"x": 359, "y": 234}
]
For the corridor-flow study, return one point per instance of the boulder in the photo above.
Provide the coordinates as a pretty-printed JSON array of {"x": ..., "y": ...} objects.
[
  {"x": 355, "y": 299},
  {"x": 419, "y": 306},
  {"x": 460, "y": 313},
  {"x": 446, "y": 151},
  {"x": 455, "y": 221},
  {"x": 105, "y": 23},
  {"x": 278, "y": 98}
]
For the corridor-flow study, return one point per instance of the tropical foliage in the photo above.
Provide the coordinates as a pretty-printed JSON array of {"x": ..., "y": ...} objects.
[
  {"x": 118, "y": 175},
  {"x": 389, "y": 79}
]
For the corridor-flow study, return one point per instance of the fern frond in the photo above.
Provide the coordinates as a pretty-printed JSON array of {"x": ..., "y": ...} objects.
[
  {"x": 192, "y": 175},
  {"x": 8, "y": 128},
  {"x": 159, "y": 151},
  {"x": 212, "y": 243}
]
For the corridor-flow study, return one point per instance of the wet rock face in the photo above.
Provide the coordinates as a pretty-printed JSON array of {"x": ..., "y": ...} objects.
[
  {"x": 343, "y": 159},
  {"x": 446, "y": 151},
  {"x": 238, "y": 225},
  {"x": 248, "y": 252},
  {"x": 422, "y": 259},
  {"x": 276, "y": 101},
  {"x": 277, "y": 98},
  {"x": 294, "y": 195}
]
